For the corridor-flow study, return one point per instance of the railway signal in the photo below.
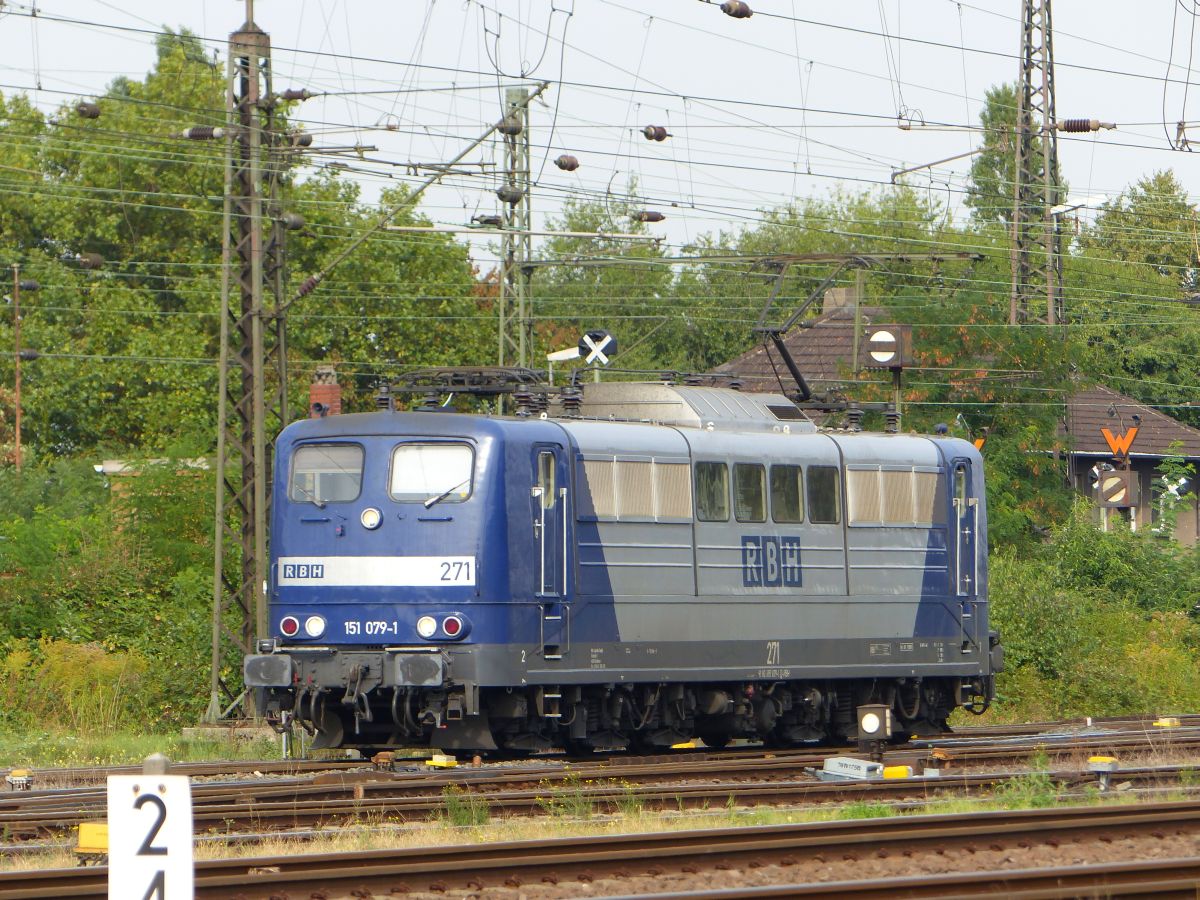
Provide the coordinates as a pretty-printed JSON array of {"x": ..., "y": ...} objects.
[{"x": 597, "y": 346}]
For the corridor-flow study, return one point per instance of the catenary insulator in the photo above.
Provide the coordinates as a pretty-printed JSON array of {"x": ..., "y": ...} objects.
[
  {"x": 295, "y": 94},
  {"x": 202, "y": 133},
  {"x": 87, "y": 110},
  {"x": 648, "y": 215},
  {"x": 91, "y": 261},
  {"x": 510, "y": 125},
  {"x": 567, "y": 162},
  {"x": 1080, "y": 125},
  {"x": 292, "y": 221},
  {"x": 492, "y": 221},
  {"x": 28, "y": 354},
  {"x": 29, "y": 284},
  {"x": 738, "y": 9},
  {"x": 300, "y": 139},
  {"x": 510, "y": 194},
  {"x": 655, "y": 132}
]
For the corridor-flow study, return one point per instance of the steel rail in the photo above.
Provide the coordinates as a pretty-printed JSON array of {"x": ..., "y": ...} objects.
[
  {"x": 255, "y": 877},
  {"x": 1153, "y": 878}
]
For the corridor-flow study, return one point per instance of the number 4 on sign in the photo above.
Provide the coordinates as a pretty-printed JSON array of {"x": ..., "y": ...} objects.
[{"x": 150, "y": 837}]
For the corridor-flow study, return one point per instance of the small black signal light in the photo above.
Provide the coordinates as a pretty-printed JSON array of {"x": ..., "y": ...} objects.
[{"x": 737, "y": 9}]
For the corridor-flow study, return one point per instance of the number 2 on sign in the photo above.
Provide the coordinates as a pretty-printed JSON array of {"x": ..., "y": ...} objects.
[{"x": 150, "y": 837}]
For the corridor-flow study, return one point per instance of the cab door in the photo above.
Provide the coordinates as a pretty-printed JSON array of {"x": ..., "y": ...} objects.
[
  {"x": 548, "y": 507},
  {"x": 966, "y": 550}
]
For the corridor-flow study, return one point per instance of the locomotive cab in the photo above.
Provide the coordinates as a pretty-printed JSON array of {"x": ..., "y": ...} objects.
[{"x": 391, "y": 553}]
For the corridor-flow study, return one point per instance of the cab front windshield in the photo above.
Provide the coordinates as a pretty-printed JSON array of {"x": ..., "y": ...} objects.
[
  {"x": 326, "y": 473},
  {"x": 432, "y": 473}
]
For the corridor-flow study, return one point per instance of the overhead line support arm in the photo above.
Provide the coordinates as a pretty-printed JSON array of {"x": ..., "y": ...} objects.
[{"x": 310, "y": 284}]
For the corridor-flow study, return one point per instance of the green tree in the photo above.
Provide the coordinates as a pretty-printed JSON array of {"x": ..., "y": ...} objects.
[
  {"x": 990, "y": 190},
  {"x": 1152, "y": 224}
]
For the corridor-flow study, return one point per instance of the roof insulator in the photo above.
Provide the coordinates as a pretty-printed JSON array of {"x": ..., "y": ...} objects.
[
  {"x": 737, "y": 9},
  {"x": 295, "y": 94},
  {"x": 656, "y": 132},
  {"x": 1077, "y": 126},
  {"x": 292, "y": 221},
  {"x": 491, "y": 221},
  {"x": 567, "y": 162},
  {"x": 202, "y": 133},
  {"x": 87, "y": 110},
  {"x": 90, "y": 261},
  {"x": 510, "y": 194},
  {"x": 510, "y": 125},
  {"x": 648, "y": 215}
]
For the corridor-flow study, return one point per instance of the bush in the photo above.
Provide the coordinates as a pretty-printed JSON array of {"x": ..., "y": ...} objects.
[
  {"x": 78, "y": 687},
  {"x": 1096, "y": 623},
  {"x": 129, "y": 579}
]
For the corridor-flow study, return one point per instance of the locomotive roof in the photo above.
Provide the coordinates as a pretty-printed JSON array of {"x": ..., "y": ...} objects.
[{"x": 687, "y": 406}]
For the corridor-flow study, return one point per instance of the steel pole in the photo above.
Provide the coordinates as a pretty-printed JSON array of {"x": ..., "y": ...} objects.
[{"x": 16, "y": 298}]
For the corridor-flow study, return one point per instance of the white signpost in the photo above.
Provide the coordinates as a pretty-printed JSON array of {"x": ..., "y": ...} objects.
[{"x": 150, "y": 837}]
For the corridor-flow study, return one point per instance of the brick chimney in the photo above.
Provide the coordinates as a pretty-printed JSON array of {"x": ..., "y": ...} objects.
[{"x": 324, "y": 394}]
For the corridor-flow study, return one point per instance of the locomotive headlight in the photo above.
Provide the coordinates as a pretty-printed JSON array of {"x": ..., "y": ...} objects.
[
  {"x": 371, "y": 518},
  {"x": 314, "y": 626},
  {"x": 427, "y": 626}
]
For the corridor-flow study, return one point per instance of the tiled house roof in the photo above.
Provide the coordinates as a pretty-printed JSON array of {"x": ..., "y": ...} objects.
[
  {"x": 1090, "y": 410},
  {"x": 823, "y": 352}
]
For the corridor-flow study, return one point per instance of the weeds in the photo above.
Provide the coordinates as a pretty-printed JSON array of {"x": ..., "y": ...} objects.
[
  {"x": 1033, "y": 790},
  {"x": 465, "y": 808},
  {"x": 569, "y": 799},
  {"x": 629, "y": 804}
]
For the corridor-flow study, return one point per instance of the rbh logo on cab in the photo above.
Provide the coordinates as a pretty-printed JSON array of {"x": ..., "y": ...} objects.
[{"x": 303, "y": 570}]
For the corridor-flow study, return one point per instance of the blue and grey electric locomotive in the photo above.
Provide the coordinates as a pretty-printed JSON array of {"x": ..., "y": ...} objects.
[{"x": 657, "y": 563}]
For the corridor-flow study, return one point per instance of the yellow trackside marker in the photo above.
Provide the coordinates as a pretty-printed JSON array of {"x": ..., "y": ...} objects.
[
  {"x": 686, "y": 745},
  {"x": 93, "y": 838},
  {"x": 1166, "y": 722},
  {"x": 897, "y": 772},
  {"x": 441, "y": 761}
]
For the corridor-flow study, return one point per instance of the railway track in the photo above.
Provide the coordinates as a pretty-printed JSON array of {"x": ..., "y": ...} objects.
[
  {"x": 685, "y": 782},
  {"x": 785, "y": 851},
  {"x": 309, "y": 806}
]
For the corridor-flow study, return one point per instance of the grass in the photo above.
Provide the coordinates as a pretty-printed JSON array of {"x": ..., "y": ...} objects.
[{"x": 47, "y": 749}]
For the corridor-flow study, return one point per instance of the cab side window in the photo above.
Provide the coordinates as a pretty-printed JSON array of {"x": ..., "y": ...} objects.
[
  {"x": 712, "y": 492},
  {"x": 787, "y": 494},
  {"x": 750, "y": 492},
  {"x": 824, "y": 505}
]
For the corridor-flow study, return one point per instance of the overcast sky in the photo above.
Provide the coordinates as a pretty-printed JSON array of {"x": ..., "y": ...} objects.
[{"x": 795, "y": 101}]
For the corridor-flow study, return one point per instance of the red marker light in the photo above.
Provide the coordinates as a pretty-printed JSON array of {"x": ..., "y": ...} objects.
[
  {"x": 290, "y": 626},
  {"x": 452, "y": 625}
]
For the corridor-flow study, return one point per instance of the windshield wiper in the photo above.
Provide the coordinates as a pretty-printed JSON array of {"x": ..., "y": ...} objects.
[
  {"x": 316, "y": 501},
  {"x": 438, "y": 498}
]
